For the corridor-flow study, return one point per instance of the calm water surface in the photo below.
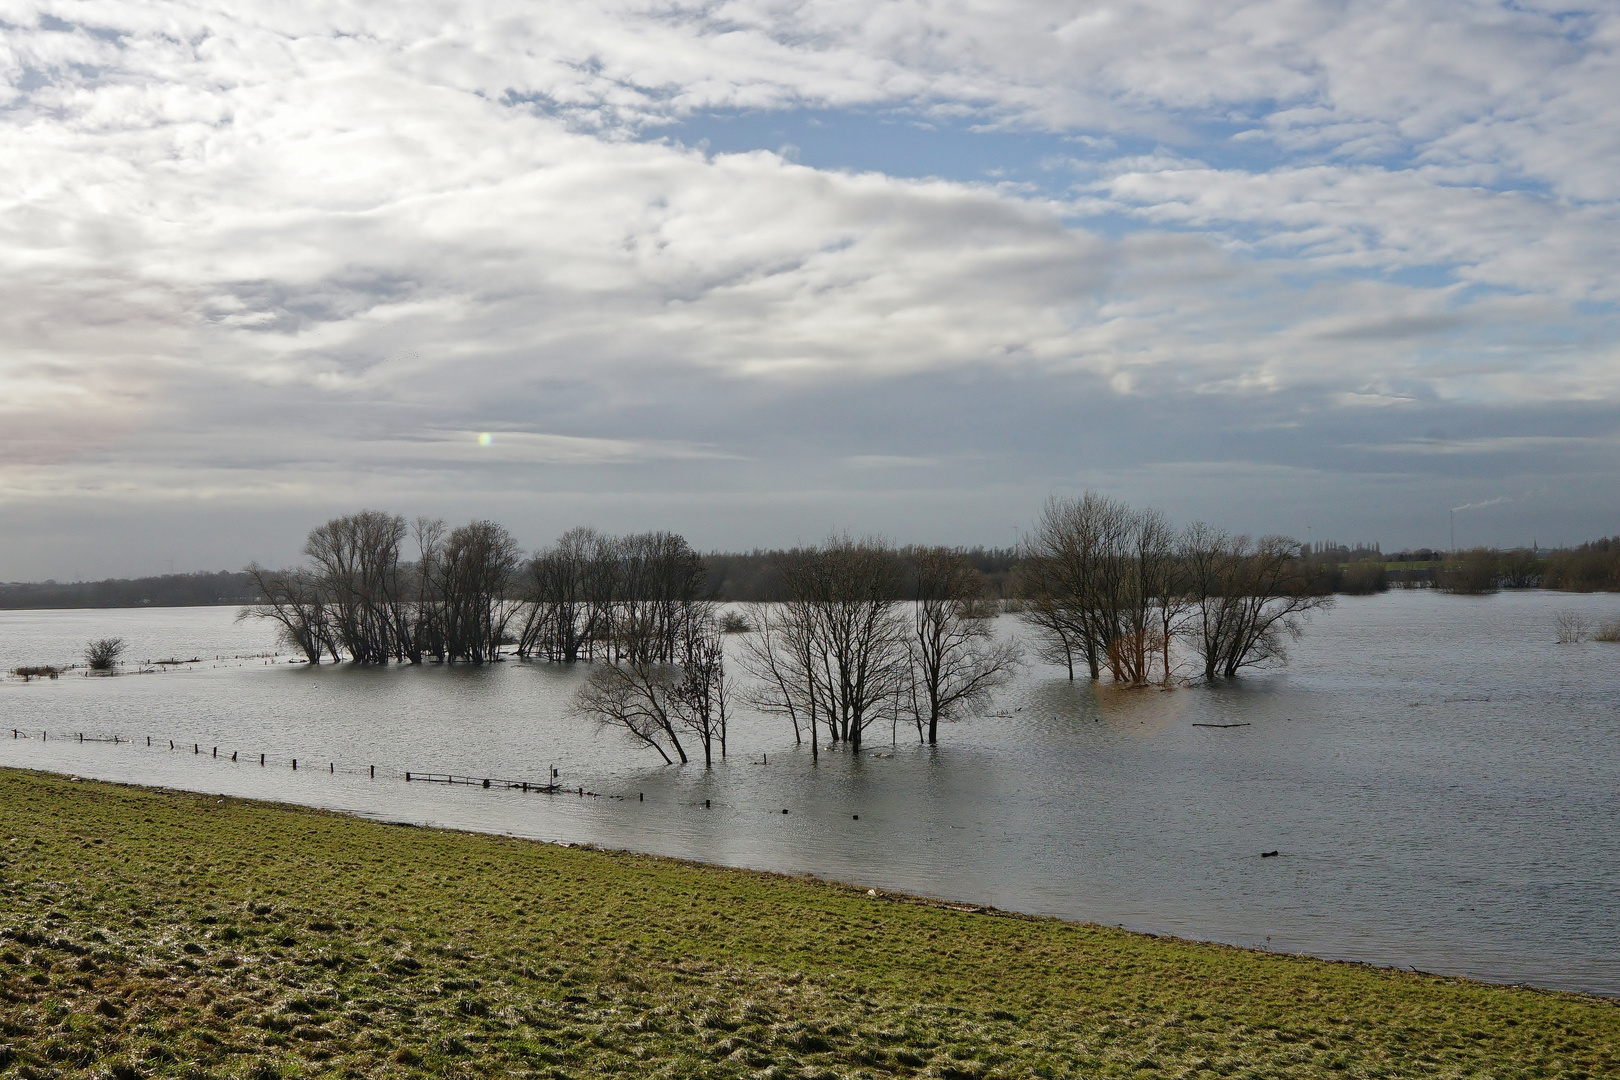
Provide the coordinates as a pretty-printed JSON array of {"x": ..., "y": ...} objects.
[{"x": 1441, "y": 780}]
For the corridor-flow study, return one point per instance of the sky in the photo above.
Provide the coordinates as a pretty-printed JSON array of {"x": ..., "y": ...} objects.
[{"x": 755, "y": 271}]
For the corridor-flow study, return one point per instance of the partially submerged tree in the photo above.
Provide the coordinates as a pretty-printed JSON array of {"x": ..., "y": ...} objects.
[
  {"x": 359, "y": 600},
  {"x": 781, "y": 658},
  {"x": 637, "y": 699},
  {"x": 555, "y": 582},
  {"x": 955, "y": 661},
  {"x": 1246, "y": 598},
  {"x": 1572, "y": 627},
  {"x": 103, "y": 655},
  {"x": 703, "y": 694},
  {"x": 1099, "y": 580},
  {"x": 472, "y": 586},
  {"x": 591, "y": 596},
  {"x": 655, "y": 702},
  {"x": 357, "y": 567},
  {"x": 833, "y": 656},
  {"x": 1474, "y": 573},
  {"x": 1117, "y": 587},
  {"x": 292, "y": 599}
]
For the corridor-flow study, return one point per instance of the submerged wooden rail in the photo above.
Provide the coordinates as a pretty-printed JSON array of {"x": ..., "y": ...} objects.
[{"x": 551, "y": 788}]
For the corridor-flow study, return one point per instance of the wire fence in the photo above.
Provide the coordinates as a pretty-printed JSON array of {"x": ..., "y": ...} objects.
[
  {"x": 552, "y": 785},
  {"x": 167, "y": 666}
]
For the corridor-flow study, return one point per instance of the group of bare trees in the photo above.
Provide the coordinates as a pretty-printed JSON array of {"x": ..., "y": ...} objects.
[
  {"x": 1114, "y": 588},
  {"x": 633, "y": 602},
  {"x": 592, "y": 596},
  {"x": 468, "y": 593},
  {"x": 636, "y": 604},
  {"x": 844, "y": 651},
  {"x": 865, "y": 634},
  {"x": 361, "y": 599}
]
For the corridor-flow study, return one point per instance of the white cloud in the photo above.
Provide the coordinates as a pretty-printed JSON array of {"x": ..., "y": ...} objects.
[{"x": 241, "y": 238}]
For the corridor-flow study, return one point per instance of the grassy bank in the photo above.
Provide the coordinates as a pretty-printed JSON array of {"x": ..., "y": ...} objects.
[{"x": 150, "y": 933}]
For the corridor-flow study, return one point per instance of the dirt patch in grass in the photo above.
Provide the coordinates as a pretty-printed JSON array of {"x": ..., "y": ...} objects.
[{"x": 151, "y": 933}]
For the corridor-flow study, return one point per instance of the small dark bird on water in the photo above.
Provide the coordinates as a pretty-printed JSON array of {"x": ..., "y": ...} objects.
[{"x": 1269, "y": 854}]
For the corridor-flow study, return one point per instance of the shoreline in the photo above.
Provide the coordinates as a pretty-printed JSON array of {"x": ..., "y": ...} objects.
[
  {"x": 246, "y": 935},
  {"x": 889, "y": 895}
]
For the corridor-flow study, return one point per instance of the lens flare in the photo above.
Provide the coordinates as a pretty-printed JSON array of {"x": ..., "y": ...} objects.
[{"x": 485, "y": 439}]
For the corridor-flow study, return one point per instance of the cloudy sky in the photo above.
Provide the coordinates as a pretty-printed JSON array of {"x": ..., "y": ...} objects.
[{"x": 754, "y": 270}]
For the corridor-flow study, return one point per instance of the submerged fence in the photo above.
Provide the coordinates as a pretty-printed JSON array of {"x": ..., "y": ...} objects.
[{"x": 550, "y": 786}]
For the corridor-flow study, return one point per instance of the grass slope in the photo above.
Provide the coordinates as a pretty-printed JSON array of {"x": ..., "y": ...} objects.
[{"x": 150, "y": 933}]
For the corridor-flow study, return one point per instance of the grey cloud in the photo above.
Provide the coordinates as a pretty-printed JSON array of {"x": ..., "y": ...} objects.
[
  {"x": 1399, "y": 328},
  {"x": 285, "y": 256}
]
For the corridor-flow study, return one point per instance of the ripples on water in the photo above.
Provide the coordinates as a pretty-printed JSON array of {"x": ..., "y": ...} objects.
[{"x": 1441, "y": 780}]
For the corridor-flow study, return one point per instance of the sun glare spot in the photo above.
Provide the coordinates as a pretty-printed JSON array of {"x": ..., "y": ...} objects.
[{"x": 485, "y": 439}]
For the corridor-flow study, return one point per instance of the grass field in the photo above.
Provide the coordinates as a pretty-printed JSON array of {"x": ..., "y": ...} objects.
[{"x": 152, "y": 933}]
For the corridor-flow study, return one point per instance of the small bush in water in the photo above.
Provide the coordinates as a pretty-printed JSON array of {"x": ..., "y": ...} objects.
[{"x": 103, "y": 655}]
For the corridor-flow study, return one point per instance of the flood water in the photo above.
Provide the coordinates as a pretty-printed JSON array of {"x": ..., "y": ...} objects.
[{"x": 1441, "y": 780}]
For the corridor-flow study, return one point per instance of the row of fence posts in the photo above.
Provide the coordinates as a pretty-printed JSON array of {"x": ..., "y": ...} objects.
[{"x": 551, "y": 788}]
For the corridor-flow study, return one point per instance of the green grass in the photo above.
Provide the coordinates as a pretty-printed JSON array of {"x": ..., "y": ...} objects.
[{"x": 151, "y": 933}]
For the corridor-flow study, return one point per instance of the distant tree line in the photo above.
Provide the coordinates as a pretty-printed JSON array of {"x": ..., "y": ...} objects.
[
  {"x": 755, "y": 575},
  {"x": 727, "y": 576},
  {"x": 167, "y": 590},
  {"x": 1472, "y": 572},
  {"x": 758, "y": 575},
  {"x": 1592, "y": 567}
]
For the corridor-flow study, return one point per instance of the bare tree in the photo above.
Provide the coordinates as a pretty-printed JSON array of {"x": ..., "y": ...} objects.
[
  {"x": 781, "y": 659},
  {"x": 103, "y": 655},
  {"x": 604, "y": 590},
  {"x": 661, "y": 580},
  {"x": 655, "y": 702},
  {"x": 835, "y": 652},
  {"x": 1138, "y": 608},
  {"x": 556, "y": 626},
  {"x": 423, "y": 634},
  {"x": 632, "y": 597},
  {"x": 1056, "y": 575},
  {"x": 703, "y": 695},
  {"x": 358, "y": 598},
  {"x": 1173, "y": 602},
  {"x": 1097, "y": 577},
  {"x": 639, "y": 699},
  {"x": 1572, "y": 627},
  {"x": 356, "y": 561},
  {"x": 955, "y": 663},
  {"x": 475, "y": 575},
  {"x": 292, "y": 599},
  {"x": 1247, "y": 598}
]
